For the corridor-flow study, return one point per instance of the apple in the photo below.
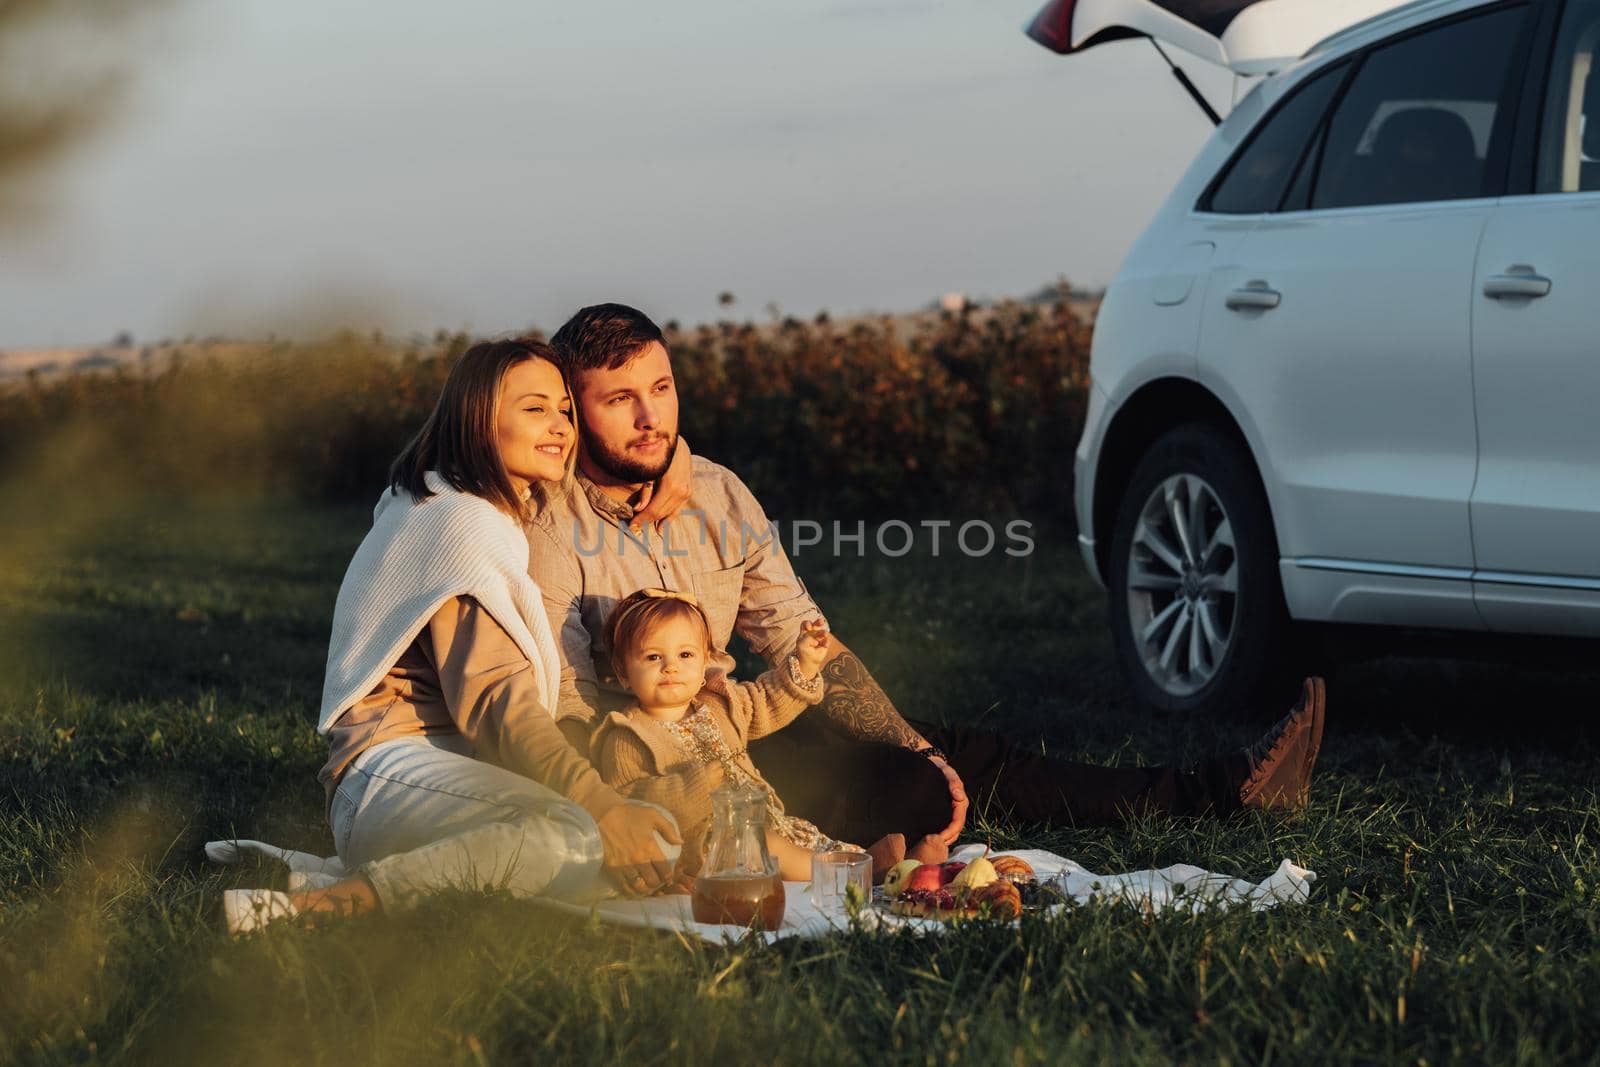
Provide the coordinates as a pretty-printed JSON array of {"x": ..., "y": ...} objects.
[
  {"x": 948, "y": 871},
  {"x": 895, "y": 880},
  {"x": 926, "y": 876}
]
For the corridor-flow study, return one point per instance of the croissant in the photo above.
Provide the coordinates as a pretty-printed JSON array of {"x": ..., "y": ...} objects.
[{"x": 1013, "y": 868}]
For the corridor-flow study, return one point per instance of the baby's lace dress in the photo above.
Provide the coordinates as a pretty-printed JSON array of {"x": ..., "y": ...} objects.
[{"x": 698, "y": 735}]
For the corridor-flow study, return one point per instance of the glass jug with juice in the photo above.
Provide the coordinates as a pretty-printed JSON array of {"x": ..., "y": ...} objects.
[{"x": 739, "y": 882}]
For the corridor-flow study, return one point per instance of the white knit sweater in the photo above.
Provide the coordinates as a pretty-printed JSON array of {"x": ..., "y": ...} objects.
[{"x": 417, "y": 556}]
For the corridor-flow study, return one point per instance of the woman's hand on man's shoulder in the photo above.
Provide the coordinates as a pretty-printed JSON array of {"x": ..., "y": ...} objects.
[{"x": 664, "y": 498}]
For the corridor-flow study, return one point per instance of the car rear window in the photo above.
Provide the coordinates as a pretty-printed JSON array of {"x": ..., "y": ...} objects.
[{"x": 1259, "y": 174}]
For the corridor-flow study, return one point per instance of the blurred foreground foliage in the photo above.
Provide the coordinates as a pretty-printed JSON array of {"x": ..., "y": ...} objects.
[
  {"x": 65, "y": 67},
  {"x": 977, "y": 411}
]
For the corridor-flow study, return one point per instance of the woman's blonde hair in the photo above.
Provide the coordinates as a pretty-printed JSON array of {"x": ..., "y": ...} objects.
[{"x": 459, "y": 439}]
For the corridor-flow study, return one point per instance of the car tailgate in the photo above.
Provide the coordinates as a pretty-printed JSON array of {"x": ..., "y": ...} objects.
[{"x": 1246, "y": 36}]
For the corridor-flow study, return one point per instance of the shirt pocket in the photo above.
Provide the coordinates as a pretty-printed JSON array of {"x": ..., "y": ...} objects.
[{"x": 718, "y": 593}]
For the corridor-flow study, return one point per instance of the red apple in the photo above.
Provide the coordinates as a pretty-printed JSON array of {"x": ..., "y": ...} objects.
[
  {"x": 948, "y": 871},
  {"x": 928, "y": 876}
]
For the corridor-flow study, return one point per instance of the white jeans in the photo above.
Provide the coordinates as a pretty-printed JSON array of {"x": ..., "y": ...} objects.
[{"x": 420, "y": 814}]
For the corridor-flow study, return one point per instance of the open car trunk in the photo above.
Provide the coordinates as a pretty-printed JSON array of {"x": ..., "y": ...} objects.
[{"x": 1246, "y": 36}]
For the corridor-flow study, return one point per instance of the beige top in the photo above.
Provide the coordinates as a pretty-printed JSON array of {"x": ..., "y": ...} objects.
[
  {"x": 465, "y": 675},
  {"x": 722, "y": 548},
  {"x": 640, "y": 757}
]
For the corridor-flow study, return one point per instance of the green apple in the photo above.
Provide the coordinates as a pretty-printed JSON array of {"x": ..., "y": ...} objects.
[{"x": 895, "y": 880}]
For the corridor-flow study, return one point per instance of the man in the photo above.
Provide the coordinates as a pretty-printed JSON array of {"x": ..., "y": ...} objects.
[{"x": 854, "y": 765}]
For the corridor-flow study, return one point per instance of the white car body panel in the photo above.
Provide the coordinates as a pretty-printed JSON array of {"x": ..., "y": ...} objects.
[
  {"x": 1517, "y": 608},
  {"x": 1314, "y": 589},
  {"x": 1359, "y": 386},
  {"x": 1536, "y": 506},
  {"x": 1084, "y": 459}
]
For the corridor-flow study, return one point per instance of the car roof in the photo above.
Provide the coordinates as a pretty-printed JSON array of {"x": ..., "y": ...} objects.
[{"x": 1379, "y": 26}]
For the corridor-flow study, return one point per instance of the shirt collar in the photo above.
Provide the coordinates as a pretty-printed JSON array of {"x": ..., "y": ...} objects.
[{"x": 619, "y": 511}]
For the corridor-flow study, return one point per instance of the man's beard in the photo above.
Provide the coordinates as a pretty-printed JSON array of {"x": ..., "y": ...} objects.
[{"x": 624, "y": 469}]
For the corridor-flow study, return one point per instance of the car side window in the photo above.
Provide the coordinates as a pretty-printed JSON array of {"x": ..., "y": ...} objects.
[
  {"x": 1416, "y": 122},
  {"x": 1569, "y": 134},
  {"x": 1256, "y": 179}
]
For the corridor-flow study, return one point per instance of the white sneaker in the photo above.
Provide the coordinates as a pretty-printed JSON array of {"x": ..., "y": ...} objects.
[{"x": 248, "y": 910}]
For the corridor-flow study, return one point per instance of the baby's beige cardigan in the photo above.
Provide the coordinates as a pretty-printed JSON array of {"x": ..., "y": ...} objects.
[{"x": 639, "y": 758}]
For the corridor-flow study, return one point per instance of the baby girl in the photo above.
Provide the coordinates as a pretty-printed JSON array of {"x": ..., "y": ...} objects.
[{"x": 687, "y": 735}]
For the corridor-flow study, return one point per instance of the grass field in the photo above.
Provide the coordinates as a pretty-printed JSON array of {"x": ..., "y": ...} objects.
[{"x": 163, "y": 662}]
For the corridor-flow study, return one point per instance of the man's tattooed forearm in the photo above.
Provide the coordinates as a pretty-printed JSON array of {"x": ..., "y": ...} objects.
[{"x": 859, "y": 706}]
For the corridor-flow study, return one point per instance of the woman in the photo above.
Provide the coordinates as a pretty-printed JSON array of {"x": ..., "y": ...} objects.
[{"x": 447, "y": 769}]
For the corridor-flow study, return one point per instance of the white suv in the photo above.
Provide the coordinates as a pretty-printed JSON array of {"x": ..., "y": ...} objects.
[{"x": 1351, "y": 371}]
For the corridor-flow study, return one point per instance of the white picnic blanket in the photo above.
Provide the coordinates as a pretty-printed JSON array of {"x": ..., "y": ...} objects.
[{"x": 1181, "y": 888}]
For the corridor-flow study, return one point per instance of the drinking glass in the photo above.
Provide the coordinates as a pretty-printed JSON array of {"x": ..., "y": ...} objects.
[{"x": 831, "y": 875}]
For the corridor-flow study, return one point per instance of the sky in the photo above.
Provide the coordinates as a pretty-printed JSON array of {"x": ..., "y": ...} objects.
[{"x": 286, "y": 165}]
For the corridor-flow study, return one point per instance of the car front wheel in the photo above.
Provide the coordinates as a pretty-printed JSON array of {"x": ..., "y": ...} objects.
[{"x": 1197, "y": 610}]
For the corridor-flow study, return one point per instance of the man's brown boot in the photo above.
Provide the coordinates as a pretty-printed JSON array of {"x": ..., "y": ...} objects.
[{"x": 1281, "y": 762}]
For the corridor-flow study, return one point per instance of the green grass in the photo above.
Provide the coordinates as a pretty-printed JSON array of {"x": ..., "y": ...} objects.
[{"x": 162, "y": 665}]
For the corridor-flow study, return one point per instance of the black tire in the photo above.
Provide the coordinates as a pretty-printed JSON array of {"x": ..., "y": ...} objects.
[{"x": 1254, "y": 670}]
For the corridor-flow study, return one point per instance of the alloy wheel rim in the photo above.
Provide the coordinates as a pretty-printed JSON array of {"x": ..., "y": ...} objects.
[{"x": 1182, "y": 584}]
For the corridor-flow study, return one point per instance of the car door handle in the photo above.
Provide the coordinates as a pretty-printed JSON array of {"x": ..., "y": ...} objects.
[
  {"x": 1518, "y": 281},
  {"x": 1255, "y": 296}
]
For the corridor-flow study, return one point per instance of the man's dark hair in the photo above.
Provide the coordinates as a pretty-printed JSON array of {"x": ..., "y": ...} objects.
[{"x": 603, "y": 337}]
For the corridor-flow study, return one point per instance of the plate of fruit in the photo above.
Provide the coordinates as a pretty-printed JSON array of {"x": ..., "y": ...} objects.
[{"x": 999, "y": 888}]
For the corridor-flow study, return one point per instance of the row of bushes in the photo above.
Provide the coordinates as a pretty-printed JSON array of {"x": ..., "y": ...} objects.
[{"x": 971, "y": 411}]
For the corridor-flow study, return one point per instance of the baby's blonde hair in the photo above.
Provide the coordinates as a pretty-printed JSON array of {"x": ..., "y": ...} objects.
[{"x": 640, "y": 613}]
